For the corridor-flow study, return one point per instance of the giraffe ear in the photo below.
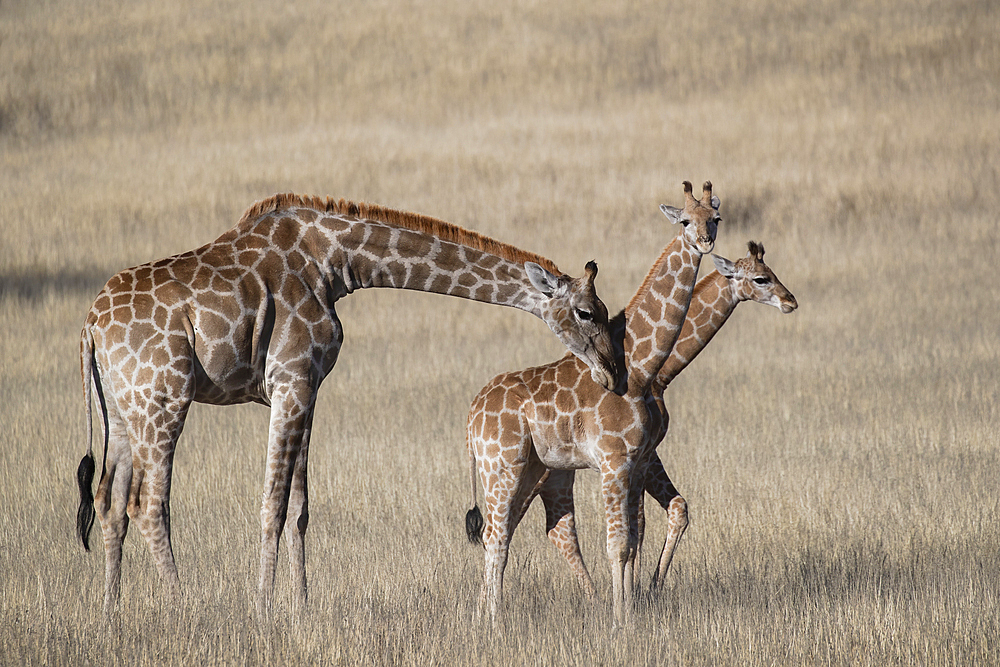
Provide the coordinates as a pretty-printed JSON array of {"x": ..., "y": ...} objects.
[
  {"x": 675, "y": 215},
  {"x": 724, "y": 266},
  {"x": 544, "y": 281}
]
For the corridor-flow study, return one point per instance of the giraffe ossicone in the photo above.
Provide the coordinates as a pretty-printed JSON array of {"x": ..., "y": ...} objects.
[
  {"x": 250, "y": 317},
  {"x": 554, "y": 416}
]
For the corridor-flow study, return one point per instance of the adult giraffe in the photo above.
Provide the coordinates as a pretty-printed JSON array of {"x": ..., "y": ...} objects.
[
  {"x": 555, "y": 416},
  {"x": 714, "y": 300},
  {"x": 250, "y": 317}
]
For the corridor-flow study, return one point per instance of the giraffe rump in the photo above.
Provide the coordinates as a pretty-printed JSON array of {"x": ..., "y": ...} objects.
[{"x": 445, "y": 231}]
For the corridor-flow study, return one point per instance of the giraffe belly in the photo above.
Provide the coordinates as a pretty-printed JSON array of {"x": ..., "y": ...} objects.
[
  {"x": 229, "y": 385},
  {"x": 564, "y": 458}
]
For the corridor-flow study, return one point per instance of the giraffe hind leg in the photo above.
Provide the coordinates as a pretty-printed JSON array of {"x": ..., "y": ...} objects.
[
  {"x": 149, "y": 500},
  {"x": 110, "y": 502},
  {"x": 659, "y": 486}
]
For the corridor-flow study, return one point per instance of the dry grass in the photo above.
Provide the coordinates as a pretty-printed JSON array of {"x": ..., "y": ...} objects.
[{"x": 840, "y": 462}]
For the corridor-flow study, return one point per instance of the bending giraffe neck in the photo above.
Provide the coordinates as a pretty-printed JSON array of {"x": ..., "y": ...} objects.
[
  {"x": 356, "y": 246},
  {"x": 654, "y": 316},
  {"x": 712, "y": 302}
]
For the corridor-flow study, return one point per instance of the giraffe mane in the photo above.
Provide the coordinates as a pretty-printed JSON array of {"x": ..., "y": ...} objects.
[
  {"x": 640, "y": 293},
  {"x": 417, "y": 222}
]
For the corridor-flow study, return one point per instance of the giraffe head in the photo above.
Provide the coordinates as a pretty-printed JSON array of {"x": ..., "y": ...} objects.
[
  {"x": 755, "y": 281},
  {"x": 699, "y": 218},
  {"x": 579, "y": 318}
]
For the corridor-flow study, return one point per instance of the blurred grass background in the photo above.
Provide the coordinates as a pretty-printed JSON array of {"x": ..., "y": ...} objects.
[{"x": 840, "y": 462}]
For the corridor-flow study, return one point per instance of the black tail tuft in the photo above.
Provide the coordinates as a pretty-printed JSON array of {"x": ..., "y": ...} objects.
[
  {"x": 474, "y": 525},
  {"x": 85, "y": 515}
]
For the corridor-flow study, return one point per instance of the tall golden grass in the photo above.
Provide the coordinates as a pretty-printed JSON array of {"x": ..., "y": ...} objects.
[{"x": 840, "y": 463}]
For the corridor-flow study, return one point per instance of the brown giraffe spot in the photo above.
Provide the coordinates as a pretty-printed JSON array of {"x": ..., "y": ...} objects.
[
  {"x": 161, "y": 276},
  {"x": 482, "y": 272},
  {"x": 223, "y": 358},
  {"x": 411, "y": 244},
  {"x": 113, "y": 332},
  {"x": 122, "y": 314},
  {"x": 286, "y": 234},
  {"x": 491, "y": 423},
  {"x": 510, "y": 422},
  {"x": 315, "y": 242},
  {"x": 184, "y": 270},
  {"x": 143, "y": 305},
  {"x": 441, "y": 284},
  {"x": 296, "y": 262},
  {"x": 307, "y": 215},
  {"x": 144, "y": 279},
  {"x": 449, "y": 258},
  {"x": 334, "y": 224},
  {"x": 264, "y": 227},
  {"x": 139, "y": 334},
  {"x": 144, "y": 376},
  {"x": 396, "y": 273},
  {"x": 505, "y": 292},
  {"x": 160, "y": 316},
  {"x": 298, "y": 336},
  {"x": 419, "y": 273},
  {"x": 102, "y": 303},
  {"x": 466, "y": 279},
  {"x": 565, "y": 400},
  {"x": 484, "y": 293},
  {"x": 312, "y": 311},
  {"x": 642, "y": 350},
  {"x": 203, "y": 276},
  {"x": 213, "y": 325},
  {"x": 379, "y": 239}
]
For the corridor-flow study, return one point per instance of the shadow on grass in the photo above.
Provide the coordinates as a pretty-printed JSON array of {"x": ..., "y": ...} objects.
[{"x": 35, "y": 285}]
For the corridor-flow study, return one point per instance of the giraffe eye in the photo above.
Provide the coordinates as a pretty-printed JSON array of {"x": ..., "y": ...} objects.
[
  {"x": 760, "y": 280},
  {"x": 584, "y": 315}
]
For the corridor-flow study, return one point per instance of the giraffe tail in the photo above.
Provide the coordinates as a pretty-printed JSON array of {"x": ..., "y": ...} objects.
[
  {"x": 473, "y": 518},
  {"x": 85, "y": 471},
  {"x": 474, "y": 525}
]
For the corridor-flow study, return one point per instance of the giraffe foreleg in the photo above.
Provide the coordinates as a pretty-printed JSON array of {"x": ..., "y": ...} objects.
[
  {"x": 291, "y": 411},
  {"x": 298, "y": 519},
  {"x": 615, "y": 489}
]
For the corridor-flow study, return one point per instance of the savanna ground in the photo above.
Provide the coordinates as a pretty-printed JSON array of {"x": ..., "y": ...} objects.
[{"x": 840, "y": 462}]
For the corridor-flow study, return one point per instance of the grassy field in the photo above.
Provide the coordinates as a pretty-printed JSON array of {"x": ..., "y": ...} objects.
[{"x": 840, "y": 463}]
